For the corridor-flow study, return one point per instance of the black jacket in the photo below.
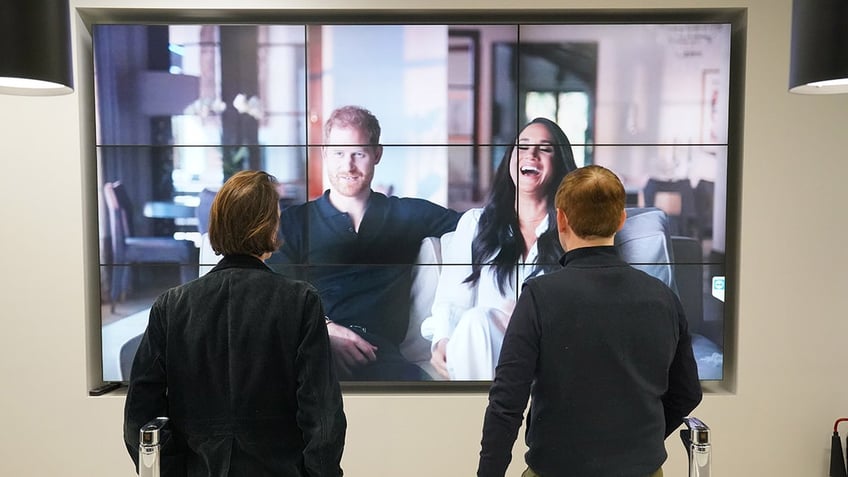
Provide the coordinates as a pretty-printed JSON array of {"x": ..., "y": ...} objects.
[
  {"x": 239, "y": 360},
  {"x": 607, "y": 350}
]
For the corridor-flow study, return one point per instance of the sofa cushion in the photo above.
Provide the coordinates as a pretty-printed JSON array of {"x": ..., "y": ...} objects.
[{"x": 425, "y": 277}]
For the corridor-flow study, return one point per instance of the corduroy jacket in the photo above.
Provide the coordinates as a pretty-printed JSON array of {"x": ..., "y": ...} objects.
[{"x": 239, "y": 361}]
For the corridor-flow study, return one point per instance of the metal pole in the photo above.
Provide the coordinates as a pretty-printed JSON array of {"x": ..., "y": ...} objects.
[
  {"x": 149, "y": 446},
  {"x": 696, "y": 439}
]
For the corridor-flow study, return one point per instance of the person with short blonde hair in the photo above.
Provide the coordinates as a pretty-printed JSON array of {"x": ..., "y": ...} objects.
[
  {"x": 239, "y": 360},
  {"x": 602, "y": 348}
]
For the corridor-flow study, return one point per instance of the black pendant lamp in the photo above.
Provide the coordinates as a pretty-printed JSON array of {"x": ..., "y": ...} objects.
[
  {"x": 819, "y": 55},
  {"x": 35, "y": 47}
]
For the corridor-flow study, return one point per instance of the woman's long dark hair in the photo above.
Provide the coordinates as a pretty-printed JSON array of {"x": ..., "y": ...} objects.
[{"x": 499, "y": 242}]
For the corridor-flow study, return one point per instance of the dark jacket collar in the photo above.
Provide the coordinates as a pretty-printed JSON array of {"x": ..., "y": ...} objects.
[
  {"x": 240, "y": 261},
  {"x": 591, "y": 256}
]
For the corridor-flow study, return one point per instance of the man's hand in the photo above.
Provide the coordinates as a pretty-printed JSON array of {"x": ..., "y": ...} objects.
[
  {"x": 349, "y": 349},
  {"x": 439, "y": 359}
]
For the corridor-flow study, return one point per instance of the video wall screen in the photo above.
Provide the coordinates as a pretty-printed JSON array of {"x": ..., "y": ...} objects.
[{"x": 477, "y": 121}]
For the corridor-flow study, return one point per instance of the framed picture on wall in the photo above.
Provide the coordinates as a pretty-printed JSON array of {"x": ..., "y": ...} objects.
[{"x": 712, "y": 100}]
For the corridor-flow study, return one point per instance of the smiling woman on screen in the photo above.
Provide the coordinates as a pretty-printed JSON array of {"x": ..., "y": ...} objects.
[{"x": 495, "y": 249}]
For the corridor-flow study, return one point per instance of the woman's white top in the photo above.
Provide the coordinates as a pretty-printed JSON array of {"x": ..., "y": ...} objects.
[{"x": 453, "y": 297}]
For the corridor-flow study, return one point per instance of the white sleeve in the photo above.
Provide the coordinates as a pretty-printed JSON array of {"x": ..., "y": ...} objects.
[{"x": 453, "y": 297}]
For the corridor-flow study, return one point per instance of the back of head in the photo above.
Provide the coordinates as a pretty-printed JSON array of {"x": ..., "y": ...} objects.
[
  {"x": 592, "y": 198},
  {"x": 245, "y": 215},
  {"x": 354, "y": 117}
]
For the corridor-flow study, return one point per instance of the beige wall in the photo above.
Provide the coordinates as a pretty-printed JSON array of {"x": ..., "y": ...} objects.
[{"x": 792, "y": 319}]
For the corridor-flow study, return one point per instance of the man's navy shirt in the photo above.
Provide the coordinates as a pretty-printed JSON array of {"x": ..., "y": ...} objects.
[{"x": 363, "y": 277}]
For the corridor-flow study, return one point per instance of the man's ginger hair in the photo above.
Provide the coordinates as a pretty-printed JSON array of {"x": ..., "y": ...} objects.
[{"x": 592, "y": 199}]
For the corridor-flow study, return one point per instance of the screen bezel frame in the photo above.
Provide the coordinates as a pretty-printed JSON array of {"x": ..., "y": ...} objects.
[{"x": 736, "y": 17}]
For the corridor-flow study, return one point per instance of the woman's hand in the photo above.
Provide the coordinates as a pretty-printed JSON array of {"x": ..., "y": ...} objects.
[{"x": 439, "y": 359}]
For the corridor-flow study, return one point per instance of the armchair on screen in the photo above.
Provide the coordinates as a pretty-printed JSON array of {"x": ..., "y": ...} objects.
[
  {"x": 645, "y": 242},
  {"x": 704, "y": 198},
  {"x": 677, "y": 200},
  {"x": 128, "y": 249}
]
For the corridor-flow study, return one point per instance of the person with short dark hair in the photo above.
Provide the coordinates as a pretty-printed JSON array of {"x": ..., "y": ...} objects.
[
  {"x": 602, "y": 348},
  {"x": 358, "y": 246},
  {"x": 239, "y": 360}
]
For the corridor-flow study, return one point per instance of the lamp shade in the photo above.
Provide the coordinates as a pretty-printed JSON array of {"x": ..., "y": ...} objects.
[
  {"x": 819, "y": 55},
  {"x": 35, "y": 47}
]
